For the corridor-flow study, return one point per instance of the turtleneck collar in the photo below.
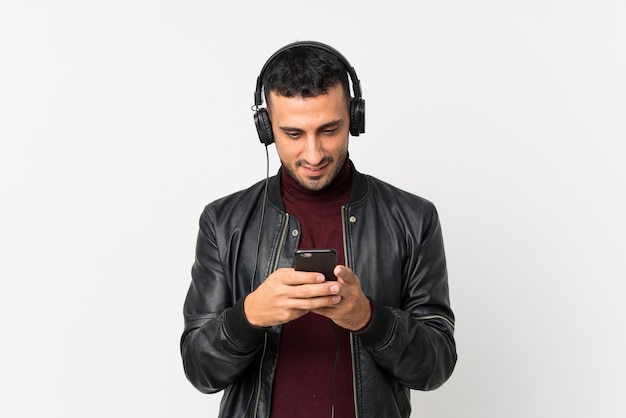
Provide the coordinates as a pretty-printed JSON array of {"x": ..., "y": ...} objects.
[{"x": 291, "y": 189}]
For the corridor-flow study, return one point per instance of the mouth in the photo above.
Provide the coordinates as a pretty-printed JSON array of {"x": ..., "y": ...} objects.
[
  {"x": 314, "y": 171},
  {"x": 317, "y": 169}
]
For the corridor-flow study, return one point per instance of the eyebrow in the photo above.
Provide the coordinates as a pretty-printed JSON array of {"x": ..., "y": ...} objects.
[{"x": 323, "y": 127}]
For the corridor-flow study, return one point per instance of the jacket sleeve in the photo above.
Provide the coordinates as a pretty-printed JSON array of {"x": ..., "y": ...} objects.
[
  {"x": 415, "y": 341},
  {"x": 218, "y": 343}
]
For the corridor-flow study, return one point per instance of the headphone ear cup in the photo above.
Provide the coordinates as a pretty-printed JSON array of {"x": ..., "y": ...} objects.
[
  {"x": 357, "y": 117},
  {"x": 263, "y": 126}
]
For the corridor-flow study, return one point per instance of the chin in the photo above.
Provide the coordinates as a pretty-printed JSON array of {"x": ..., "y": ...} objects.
[{"x": 315, "y": 184}]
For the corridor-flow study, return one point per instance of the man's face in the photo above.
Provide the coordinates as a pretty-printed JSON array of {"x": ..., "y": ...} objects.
[{"x": 311, "y": 135}]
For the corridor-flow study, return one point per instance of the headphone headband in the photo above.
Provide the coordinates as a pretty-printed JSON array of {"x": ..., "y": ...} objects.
[
  {"x": 357, "y": 105},
  {"x": 356, "y": 84}
]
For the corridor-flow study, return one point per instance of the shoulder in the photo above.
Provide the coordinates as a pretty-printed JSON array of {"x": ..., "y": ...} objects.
[
  {"x": 392, "y": 196},
  {"x": 234, "y": 204},
  {"x": 402, "y": 211}
]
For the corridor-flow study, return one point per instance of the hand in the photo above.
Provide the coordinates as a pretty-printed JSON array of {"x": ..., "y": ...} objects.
[
  {"x": 287, "y": 295},
  {"x": 353, "y": 311}
]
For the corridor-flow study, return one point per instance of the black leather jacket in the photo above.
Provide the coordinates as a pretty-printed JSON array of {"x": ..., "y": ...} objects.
[{"x": 393, "y": 242}]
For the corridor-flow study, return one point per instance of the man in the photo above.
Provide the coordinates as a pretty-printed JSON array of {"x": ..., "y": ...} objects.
[{"x": 287, "y": 343}]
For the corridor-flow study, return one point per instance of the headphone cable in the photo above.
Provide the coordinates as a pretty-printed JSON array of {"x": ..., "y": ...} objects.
[{"x": 258, "y": 240}]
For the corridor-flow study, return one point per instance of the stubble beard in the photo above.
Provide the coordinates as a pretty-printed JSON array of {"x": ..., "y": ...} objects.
[{"x": 319, "y": 183}]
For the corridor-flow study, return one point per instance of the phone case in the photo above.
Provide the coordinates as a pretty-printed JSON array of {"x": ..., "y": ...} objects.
[{"x": 320, "y": 260}]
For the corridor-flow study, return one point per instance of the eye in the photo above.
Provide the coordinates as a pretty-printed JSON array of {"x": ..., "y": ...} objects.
[
  {"x": 293, "y": 135},
  {"x": 330, "y": 132}
]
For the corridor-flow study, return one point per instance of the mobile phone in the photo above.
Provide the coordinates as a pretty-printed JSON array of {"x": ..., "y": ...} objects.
[{"x": 319, "y": 260}]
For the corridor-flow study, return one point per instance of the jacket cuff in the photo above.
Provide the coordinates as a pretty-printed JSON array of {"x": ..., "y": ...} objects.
[
  {"x": 379, "y": 330},
  {"x": 239, "y": 330}
]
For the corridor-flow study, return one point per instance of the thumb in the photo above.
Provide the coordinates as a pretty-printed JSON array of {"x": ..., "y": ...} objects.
[{"x": 345, "y": 274}]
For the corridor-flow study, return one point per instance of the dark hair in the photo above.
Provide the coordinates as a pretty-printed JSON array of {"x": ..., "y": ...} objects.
[{"x": 304, "y": 71}]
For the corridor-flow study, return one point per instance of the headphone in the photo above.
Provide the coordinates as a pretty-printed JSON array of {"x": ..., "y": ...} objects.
[{"x": 357, "y": 104}]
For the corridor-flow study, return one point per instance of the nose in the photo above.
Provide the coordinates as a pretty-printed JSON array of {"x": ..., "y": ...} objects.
[{"x": 313, "y": 152}]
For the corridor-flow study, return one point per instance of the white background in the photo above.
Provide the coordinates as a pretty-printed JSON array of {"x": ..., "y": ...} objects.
[{"x": 120, "y": 120}]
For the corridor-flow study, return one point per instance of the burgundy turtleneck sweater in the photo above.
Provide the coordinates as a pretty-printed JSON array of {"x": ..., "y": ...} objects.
[{"x": 305, "y": 385}]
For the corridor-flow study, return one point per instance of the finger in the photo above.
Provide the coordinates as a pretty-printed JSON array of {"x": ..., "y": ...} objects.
[
  {"x": 318, "y": 290},
  {"x": 322, "y": 305},
  {"x": 294, "y": 278},
  {"x": 345, "y": 274}
]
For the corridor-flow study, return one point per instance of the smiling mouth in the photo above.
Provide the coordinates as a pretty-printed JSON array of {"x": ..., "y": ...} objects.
[
  {"x": 317, "y": 170},
  {"x": 314, "y": 171}
]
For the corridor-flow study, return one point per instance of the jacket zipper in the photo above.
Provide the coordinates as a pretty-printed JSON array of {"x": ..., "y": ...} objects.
[
  {"x": 258, "y": 392},
  {"x": 281, "y": 242},
  {"x": 344, "y": 213},
  {"x": 259, "y": 382}
]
